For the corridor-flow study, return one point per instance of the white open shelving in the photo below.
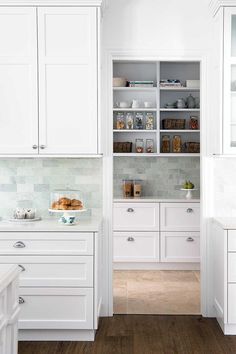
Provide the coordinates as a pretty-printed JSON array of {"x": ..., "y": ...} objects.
[{"x": 159, "y": 96}]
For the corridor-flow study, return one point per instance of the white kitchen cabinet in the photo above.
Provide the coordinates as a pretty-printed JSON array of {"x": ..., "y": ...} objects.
[
  {"x": 60, "y": 295},
  {"x": 67, "y": 39},
  {"x": 180, "y": 216},
  {"x": 136, "y": 246},
  {"x": 49, "y": 80},
  {"x": 180, "y": 247},
  {"x": 18, "y": 81},
  {"x": 136, "y": 217}
]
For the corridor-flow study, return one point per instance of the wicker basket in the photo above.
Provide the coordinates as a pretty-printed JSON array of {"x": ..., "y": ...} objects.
[
  {"x": 122, "y": 147},
  {"x": 173, "y": 123},
  {"x": 191, "y": 147}
]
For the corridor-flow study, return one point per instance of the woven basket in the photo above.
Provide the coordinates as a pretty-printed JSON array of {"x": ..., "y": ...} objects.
[
  {"x": 122, "y": 147},
  {"x": 191, "y": 147},
  {"x": 173, "y": 123}
]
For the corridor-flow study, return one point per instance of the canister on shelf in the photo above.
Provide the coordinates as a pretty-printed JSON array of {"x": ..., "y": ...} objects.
[
  {"x": 137, "y": 188},
  {"x": 176, "y": 144},
  {"x": 165, "y": 144},
  {"x": 139, "y": 146},
  {"x": 129, "y": 121},
  {"x": 149, "y": 145},
  {"x": 139, "y": 120},
  {"x": 149, "y": 125},
  {"x": 120, "y": 121},
  {"x": 127, "y": 188}
]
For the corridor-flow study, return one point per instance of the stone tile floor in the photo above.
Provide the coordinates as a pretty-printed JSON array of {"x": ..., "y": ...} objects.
[{"x": 156, "y": 292}]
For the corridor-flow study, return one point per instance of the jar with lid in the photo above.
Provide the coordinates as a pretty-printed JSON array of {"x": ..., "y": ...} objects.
[
  {"x": 139, "y": 120},
  {"x": 127, "y": 188},
  {"x": 176, "y": 144},
  {"x": 120, "y": 121},
  {"x": 137, "y": 188},
  {"x": 149, "y": 145},
  {"x": 149, "y": 125},
  {"x": 165, "y": 144},
  {"x": 66, "y": 200},
  {"x": 139, "y": 146},
  {"x": 129, "y": 121}
]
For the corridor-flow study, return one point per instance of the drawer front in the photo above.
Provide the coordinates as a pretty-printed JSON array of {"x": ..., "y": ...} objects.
[
  {"x": 180, "y": 217},
  {"x": 136, "y": 216},
  {"x": 232, "y": 240},
  {"x": 53, "y": 271},
  {"x": 136, "y": 246},
  {"x": 56, "y": 308},
  {"x": 231, "y": 303},
  {"x": 180, "y": 247},
  {"x": 47, "y": 242}
]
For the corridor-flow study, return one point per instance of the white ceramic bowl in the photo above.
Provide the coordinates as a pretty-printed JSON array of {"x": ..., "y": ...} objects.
[
  {"x": 119, "y": 81},
  {"x": 124, "y": 104}
]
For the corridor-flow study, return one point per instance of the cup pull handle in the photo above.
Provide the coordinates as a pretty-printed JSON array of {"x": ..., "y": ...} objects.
[
  {"x": 189, "y": 210},
  {"x": 21, "y": 300},
  {"x": 19, "y": 244},
  {"x": 190, "y": 239},
  {"x": 130, "y": 210},
  {"x": 21, "y": 267},
  {"x": 130, "y": 239}
]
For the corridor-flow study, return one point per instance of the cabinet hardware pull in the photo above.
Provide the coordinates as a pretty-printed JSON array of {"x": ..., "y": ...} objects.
[
  {"x": 130, "y": 239},
  {"x": 189, "y": 210},
  {"x": 21, "y": 267},
  {"x": 21, "y": 300},
  {"x": 42, "y": 147},
  {"x": 35, "y": 146},
  {"x": 19, "y": 244},
  {"x": 130, "y": 210},
  {"x": 190, "y": 239}
]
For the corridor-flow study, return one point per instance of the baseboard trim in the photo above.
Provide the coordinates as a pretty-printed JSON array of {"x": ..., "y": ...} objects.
[
  {"x": 155, "y": 266},
  {"x": 56, "y": 335}
]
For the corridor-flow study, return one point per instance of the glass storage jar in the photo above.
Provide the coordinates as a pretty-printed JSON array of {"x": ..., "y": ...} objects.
[
  {"x": 176, "y": 144},
  {"x": 129, "y": 121},
  {"x": 137, "y": 188},
  {"x": 149, "y": 145},
  {"x": 120, "y": 121},
  {"x": 139, "y": 146},
  {"x": 127, "y": 188},
  {"x": 165, "y": 144},
  {"x": 66, "y": 200},
  {"x": 149, "y": 124},
  {"x": 139, "y": 124}
]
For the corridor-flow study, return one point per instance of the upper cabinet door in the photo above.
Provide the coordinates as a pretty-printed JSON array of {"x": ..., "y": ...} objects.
[
  {"x": 18, "y": 81},
  {"x": 67, "y": 42},
  {"x": 229, "y": 116}
]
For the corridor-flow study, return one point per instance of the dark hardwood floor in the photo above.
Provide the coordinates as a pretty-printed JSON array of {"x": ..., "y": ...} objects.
[{"x": 145, "y": 334}]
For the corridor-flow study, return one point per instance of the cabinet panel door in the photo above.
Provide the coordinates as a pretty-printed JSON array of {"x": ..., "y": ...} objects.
[
  {"x": 180, "y": 216},
  {"x": 67, "y": 80},
  {"x": 18, "y": 81}
]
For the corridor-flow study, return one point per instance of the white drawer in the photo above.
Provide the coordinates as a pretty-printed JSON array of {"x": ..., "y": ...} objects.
[
  {"x": 180, "y": 216},
  {"x": 136, "y": 246},
  {"x": 53, "y": 271},
  {"x": 232, "y": 240},
  {"x": 56, "y": 308},
  {"x": 231, "y": 303},
  {"x": 232, "y": 267},
  {"x": 46, "y": 243},
  {"x": 180, "y": 247},
  {"x": 136, "y": 217}
]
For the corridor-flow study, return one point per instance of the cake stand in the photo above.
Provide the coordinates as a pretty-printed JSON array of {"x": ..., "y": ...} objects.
[
  {"x": 67, "y": 214},
  {"x": 189, "y": 194}
]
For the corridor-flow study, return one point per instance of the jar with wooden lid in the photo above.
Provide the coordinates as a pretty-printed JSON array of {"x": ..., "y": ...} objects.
[
  {"x": 127, "y": 188},
  {"x": 137, "y": 188},
  {"x": 176, "y": 144},
  {"x": 165, "y": 144}
]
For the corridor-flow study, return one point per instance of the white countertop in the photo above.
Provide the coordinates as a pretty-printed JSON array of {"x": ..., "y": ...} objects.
[
  {"x": 154, "y": 200},
  {"x": 227, "y": 223},
  {"x": 7, "y": 273},
  {"x": 92, "y": 224}
]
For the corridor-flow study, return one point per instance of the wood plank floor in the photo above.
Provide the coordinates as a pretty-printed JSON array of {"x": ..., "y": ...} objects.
[{"x": 145, "y": 334}]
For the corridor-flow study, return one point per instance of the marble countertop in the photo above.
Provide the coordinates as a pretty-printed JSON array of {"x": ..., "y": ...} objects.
[
  {"x": 227, "y": 223},
  {"x": 91, "y": 224},
  {"x": 154, "y": 200},
  {"x": 7, "y": 273}
]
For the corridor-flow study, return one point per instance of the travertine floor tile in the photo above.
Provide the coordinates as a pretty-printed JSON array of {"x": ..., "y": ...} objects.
[{"x": 157, "y": 292}]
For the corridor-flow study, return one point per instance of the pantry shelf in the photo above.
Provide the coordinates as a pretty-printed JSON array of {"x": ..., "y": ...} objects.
[
  {"x": 179, "y": 131},
  {"x": 134, "y": 131},
  {"x": 179, "y": 89},
  {"x": 134, "y": 109},
  {"x": 152, "y": 89},
  {"x": 179, "y": 110}
]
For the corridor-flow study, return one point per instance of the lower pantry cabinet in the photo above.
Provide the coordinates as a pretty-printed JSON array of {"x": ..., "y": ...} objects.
[
  {"x": 59, "y": 293},
  {"x": 157, "y": 232}
]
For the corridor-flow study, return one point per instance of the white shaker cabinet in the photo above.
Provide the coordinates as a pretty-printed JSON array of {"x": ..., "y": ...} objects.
[
  {"x": 67, "y": 39},
  {"x": 49, "y": 80},
  {"x": 18, "y": 80}
]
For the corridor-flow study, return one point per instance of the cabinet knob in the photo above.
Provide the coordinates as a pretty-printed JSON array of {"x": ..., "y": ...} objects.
[
  {"x": 130, "y": 239},
  {"x": 190, "y": 239},
  {"x": 42, "y": 147},
  {"x": 21, "y": 267},
  {"x": 35, "y": 146},
  {"x": 19, "y": 244},
  {"x": 189, "y": 210},
  {"x": 21, "y": 300},
  {"x": 130, "y": 210}
]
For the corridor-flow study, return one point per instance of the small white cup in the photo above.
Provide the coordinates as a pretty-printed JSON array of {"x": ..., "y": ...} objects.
[{"x": 148, "y": 104}]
